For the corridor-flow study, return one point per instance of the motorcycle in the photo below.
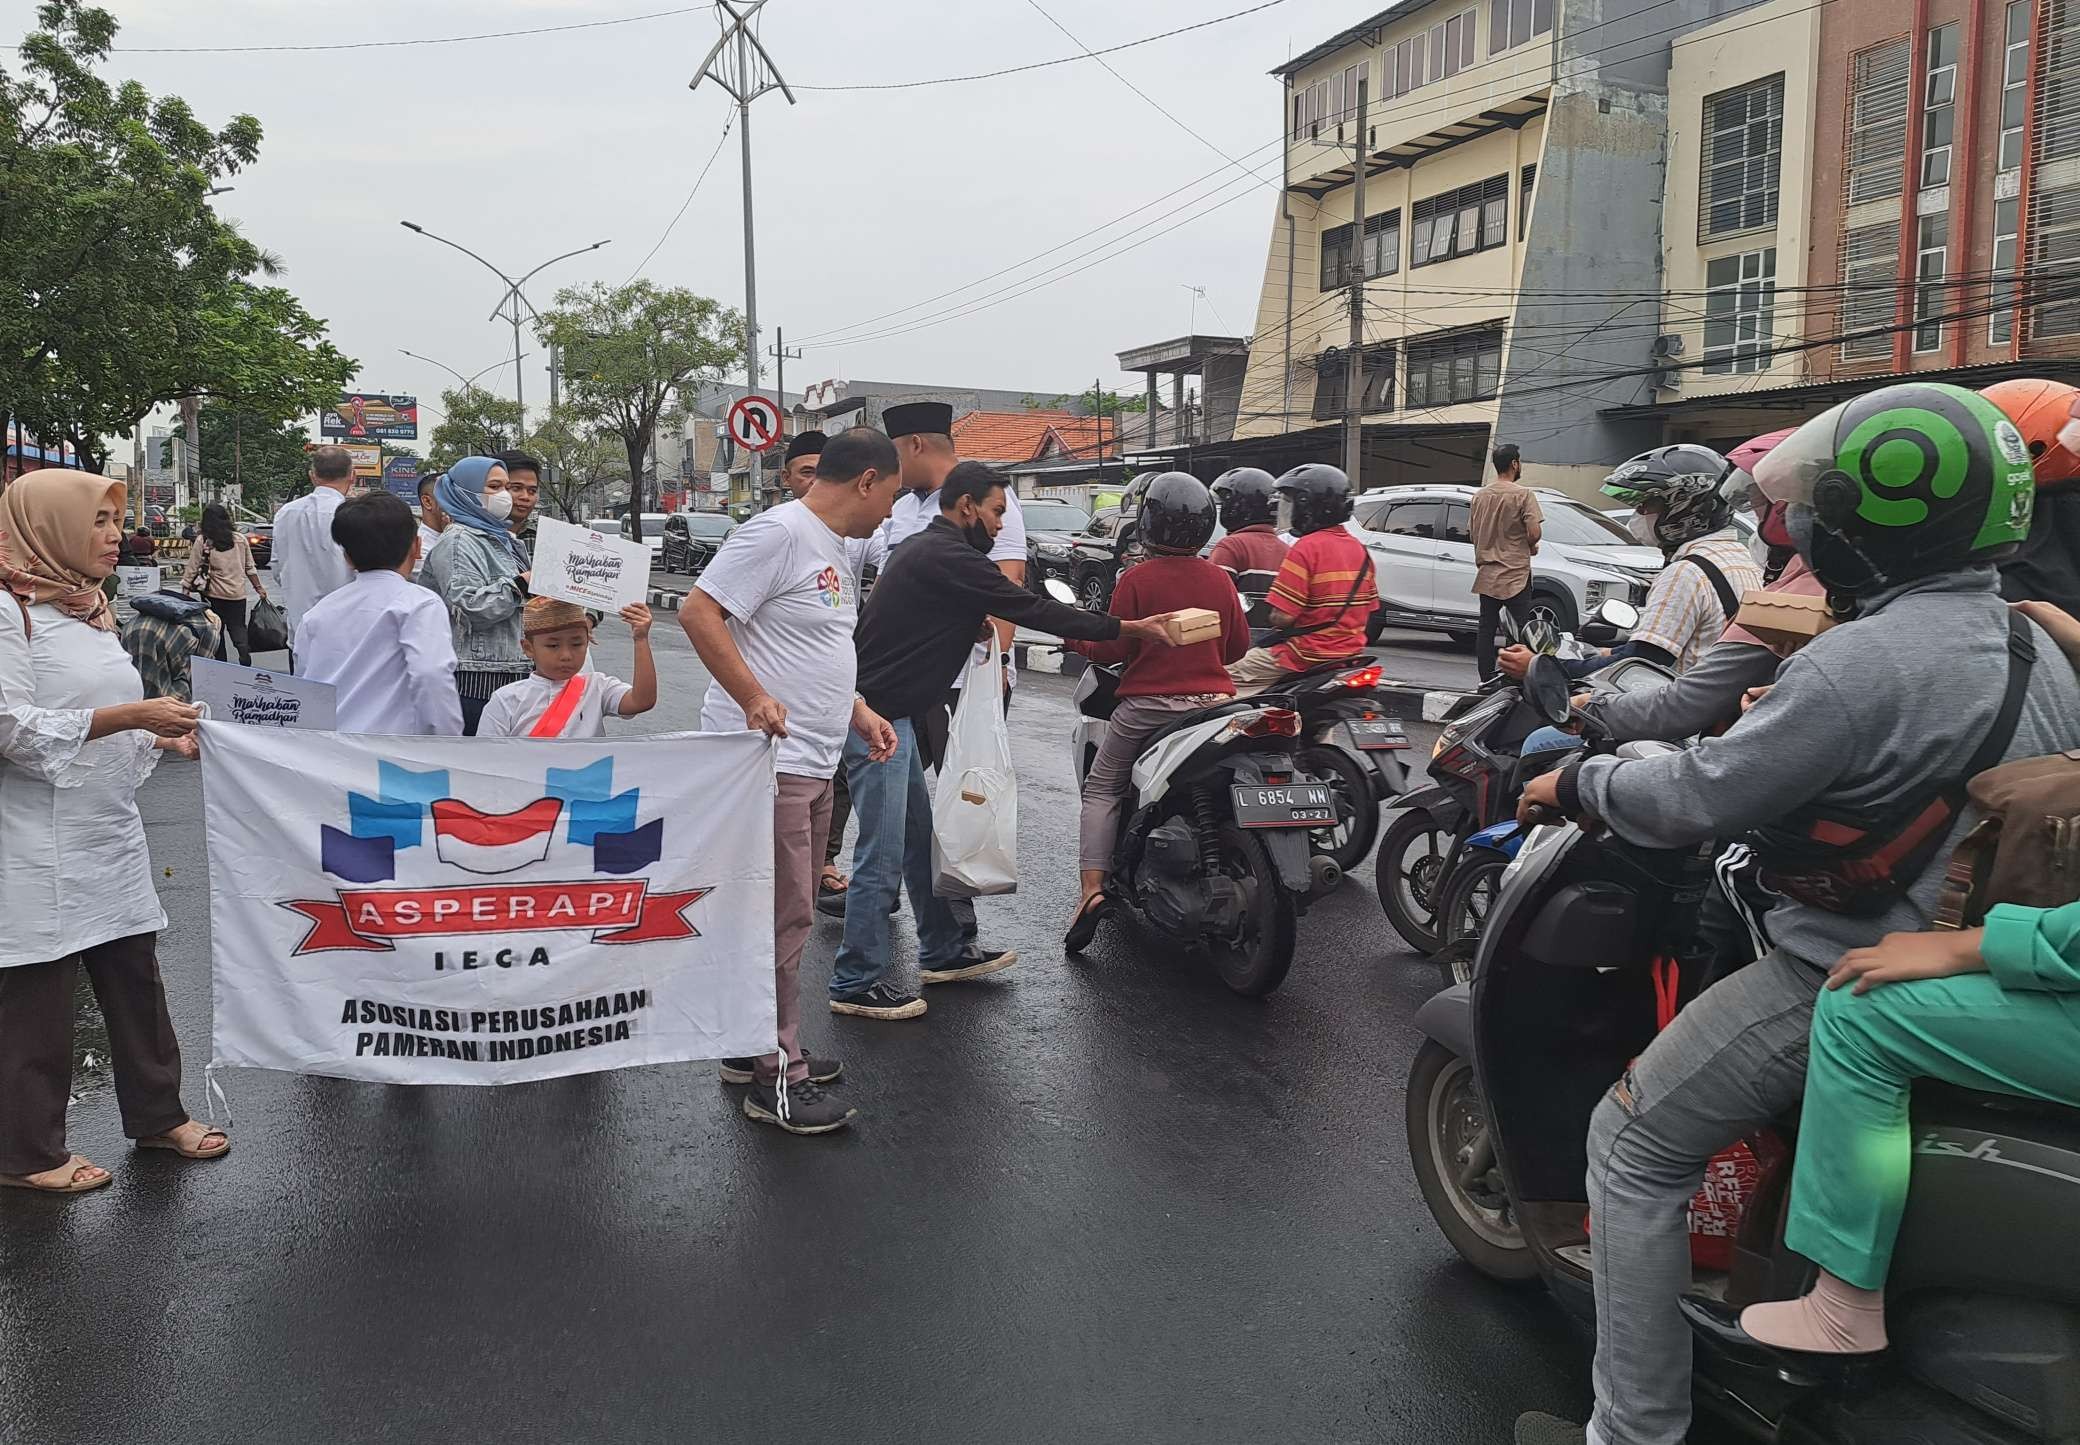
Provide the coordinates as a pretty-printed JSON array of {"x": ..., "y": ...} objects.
[
  {"x": 1984, "y": 1293},
  {"x": 1475, "y": 778},
  {"x": 1213, "y": 848},
  {"x": 1350, "y": 744}
]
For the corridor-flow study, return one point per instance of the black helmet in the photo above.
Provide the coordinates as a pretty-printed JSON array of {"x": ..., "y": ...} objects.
[
  {"x": 1176, "y": 513},
  {"x": 1247, "y": 496},
  {"x": 1319, "y": 496},
  {"x": 1904, "y": 482},
  {"x": 1692, "y": 485}
]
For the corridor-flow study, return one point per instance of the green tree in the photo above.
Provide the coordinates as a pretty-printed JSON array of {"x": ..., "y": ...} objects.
[
  {"x": 582, "y": 461},
  {"x": 474, "y": 423},
  {"x": 1111, "y": 403},
  {"x": 254, "y": 451},
  {"x": 629, "y": 350},
  {"x": 127, "y": 290}
]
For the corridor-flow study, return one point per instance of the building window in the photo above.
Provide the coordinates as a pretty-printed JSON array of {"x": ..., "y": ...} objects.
[
  {"x": 1870, "y": 287},
  {"x": 1353, "y": 77},
  {"x": 1332, "y": 378},
  {"x": 2058, "y": 85},
  {"x": 1454, "y": 369},
  {"x": 1459, "y": 223},
  {"x": 2054, "y": 261},
  {"x": 1443, "y": 50},
  {"x": 1743, "y": 152},
  {"x": 1512, "y": 22},
  {"x": 1939, "y": 106},
  {"x": 1336, "y": 257},
  {"x": 2014, "y": 85},
  {"x": 1932, "y": 252},
  {"x": 2007, "y": 215},
  {"x": 1739, "y": 301},
  {"x": 1524, "y": 184},
  {"x": 1880, "y": 81}
]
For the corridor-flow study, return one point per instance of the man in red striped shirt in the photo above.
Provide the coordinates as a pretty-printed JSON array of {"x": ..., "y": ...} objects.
[{"x": 1325, "y": 591}]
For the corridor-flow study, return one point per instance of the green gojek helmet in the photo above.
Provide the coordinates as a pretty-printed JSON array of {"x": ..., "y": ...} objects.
[{"x": 1904, "y": 482}]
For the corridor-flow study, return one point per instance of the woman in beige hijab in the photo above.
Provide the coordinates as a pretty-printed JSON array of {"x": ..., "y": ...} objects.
[{"x": 77, "y": 737}]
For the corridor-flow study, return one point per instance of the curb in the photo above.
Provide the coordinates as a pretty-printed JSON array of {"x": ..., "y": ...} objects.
[{"x": 665, "y": 599}]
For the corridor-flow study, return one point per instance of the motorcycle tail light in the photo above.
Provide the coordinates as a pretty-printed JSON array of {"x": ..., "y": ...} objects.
[
  {"x": 1277, "y": 780},
  {"x": 1280, "y": 722},
  {"x": 1363, "y": 678}
]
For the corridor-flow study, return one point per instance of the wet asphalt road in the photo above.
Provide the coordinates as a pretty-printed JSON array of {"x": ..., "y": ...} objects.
[{"x": 1103, "y": 1200}]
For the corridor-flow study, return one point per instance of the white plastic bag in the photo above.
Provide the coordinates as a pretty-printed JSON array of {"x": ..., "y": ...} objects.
[{"x": 975, "y": 802}]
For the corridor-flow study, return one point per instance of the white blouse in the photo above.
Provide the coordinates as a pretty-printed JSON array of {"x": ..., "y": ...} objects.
[{"x": 74, "y": 868}]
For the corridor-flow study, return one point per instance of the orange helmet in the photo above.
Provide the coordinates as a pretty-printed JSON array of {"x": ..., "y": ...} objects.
[{"x": 2039, "y": 409}]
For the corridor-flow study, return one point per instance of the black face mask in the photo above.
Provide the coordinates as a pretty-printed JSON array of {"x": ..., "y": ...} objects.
[{"x": 978, "y": 537}]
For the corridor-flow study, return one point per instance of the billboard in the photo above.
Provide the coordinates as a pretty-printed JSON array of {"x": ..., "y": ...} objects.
[
  {"x": 374, "y": 415},
  {"x": 368, "y": 458},
  {"x": 401, "y": 475}
]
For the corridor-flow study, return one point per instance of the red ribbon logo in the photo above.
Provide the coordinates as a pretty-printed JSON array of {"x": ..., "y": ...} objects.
[{"x": 365, "y": 920}]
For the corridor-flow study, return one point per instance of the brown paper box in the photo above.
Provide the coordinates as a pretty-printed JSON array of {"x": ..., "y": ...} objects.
[
  {"x": 1193, "y": 624},
  {"x": 1784, "y": 619}
]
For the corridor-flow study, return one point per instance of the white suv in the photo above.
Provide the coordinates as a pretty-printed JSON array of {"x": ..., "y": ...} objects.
[{"x": 1422, "y": 558}]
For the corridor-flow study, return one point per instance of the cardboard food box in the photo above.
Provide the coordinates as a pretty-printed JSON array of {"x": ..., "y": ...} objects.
[
  {"x": 1784, "y": 619},
  {"x": 1193, "y": 624}
]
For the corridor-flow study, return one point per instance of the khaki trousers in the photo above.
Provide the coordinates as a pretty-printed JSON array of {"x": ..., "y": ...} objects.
[{"x": 801, "y": 826}]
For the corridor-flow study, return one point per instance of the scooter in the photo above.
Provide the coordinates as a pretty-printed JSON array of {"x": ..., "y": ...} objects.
[
  {"x": 1213, "y": 850},
  {"x": 1984, "y": 1293},
  {"x": 1475, "y": 780},
  {"x": 1349, "y": 743}
]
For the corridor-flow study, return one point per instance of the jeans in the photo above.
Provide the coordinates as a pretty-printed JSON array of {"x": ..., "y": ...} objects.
[
  {"x": 1731, "y": 1062},
  {"x": 231, "y": 611},
  {"x": 1484, "y": 648},
  {"x": 1546, "y": 740},
  {"x": 894, "y": 849}
]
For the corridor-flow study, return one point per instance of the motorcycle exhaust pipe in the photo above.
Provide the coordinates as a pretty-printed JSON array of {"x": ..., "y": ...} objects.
[{"x": 1324, "y": 875}]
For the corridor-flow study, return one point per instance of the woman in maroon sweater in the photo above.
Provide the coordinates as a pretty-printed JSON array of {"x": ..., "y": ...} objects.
[{"x": 1159, "y": 684}]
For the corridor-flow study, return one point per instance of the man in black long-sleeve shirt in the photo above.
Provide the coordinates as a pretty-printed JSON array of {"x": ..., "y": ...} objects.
[{"x": 931, "y": 602}]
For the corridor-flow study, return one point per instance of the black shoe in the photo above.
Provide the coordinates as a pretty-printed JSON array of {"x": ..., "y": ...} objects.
[
  {"x": 1535, "y": 1427},
  {"x": 807, "y": 1109},
  {"x": 882, "y": 1001},
  {"x": 821, "y": 1071},
  {"x": 976, "y": 962},
  {"x": 831, "y": 905}
]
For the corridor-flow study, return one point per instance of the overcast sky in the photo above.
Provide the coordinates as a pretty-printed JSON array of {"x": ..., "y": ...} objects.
[{"x": 867, "y": 202}]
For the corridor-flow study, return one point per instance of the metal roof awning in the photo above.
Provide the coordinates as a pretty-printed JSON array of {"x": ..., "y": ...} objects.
[
  {"x": 1509, "y": 115},
  {"x": 1342, "y": 38},
  {"x": 1185, "y": 353},
  {"x": 1816, "y": 396}
]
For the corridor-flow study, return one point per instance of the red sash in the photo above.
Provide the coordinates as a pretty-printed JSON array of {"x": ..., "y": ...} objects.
[{"x": 551, "y": 723}]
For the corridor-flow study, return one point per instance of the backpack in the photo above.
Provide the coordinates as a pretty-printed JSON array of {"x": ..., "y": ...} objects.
[{"x": 2026, "y": 849}]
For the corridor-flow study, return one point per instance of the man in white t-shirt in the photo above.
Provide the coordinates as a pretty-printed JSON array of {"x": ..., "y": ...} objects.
[
  {"x": 307, "y": 563},
  {"x": 772, "y": 619}
]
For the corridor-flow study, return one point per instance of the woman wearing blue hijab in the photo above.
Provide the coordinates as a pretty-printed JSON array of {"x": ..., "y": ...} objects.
[{"x": 480, "y": 571}]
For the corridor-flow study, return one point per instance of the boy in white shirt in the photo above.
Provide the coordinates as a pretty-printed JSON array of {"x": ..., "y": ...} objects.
[
  {"x": 562, "y": 699},
  {"x": 382, "y": 641}
]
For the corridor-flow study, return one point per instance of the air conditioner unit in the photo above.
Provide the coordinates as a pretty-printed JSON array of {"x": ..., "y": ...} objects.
[{"x": 1670, "y": 344}]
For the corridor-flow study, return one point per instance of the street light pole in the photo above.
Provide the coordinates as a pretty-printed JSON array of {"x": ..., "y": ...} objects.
[
  {"x": 469, "y": 383},
  {"x": 739, "y": 64},
  {"x": 514, "y": 296}
]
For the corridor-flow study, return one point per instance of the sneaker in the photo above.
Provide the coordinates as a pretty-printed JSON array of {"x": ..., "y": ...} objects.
[
  {"x": 975, "y": 963},
  {"x": 821, "y": 1071},
  {"x": 806, "y": 1110},
  {"x": 1535, "y": 1427},
  {"x": 882, "y": 1001}
]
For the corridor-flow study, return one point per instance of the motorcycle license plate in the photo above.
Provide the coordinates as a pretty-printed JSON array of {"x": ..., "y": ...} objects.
[
  {"x": 1291, "y": 805},
  {"x": 1377, "y": 734}
]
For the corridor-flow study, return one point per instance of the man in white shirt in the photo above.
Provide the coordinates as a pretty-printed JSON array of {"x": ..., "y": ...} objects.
[
  {"x": 307, "y": 563},
  {"x": 772, "y": 618},
  {"x": 923, "y": 434},
  {"x": 383, "y": 641},
  {"x": 432, "y": 520}
]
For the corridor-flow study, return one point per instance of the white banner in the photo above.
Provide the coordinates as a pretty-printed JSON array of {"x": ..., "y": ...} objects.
[
  {"x": 486, "y": 911},
  {"x": 589, "y": 568},
  {"x": 135, "y": 581},
  {"x": 259, "y": 697}
]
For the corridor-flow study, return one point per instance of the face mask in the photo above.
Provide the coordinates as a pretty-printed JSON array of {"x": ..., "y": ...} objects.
[
  {"x": 1285, "y": 514},
  {"x": 498, "y": 506},
  {"x": 1759, "y": 550},
  {"x": 978, "y": 537},
  {"x": 1641, "y": 526}
]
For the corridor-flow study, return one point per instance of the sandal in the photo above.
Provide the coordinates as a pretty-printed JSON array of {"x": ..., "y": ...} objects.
[
  {"x": 1084, "y": 927},
  {"x": 200, "y": 1149},
  {"x": 72, "y": 1184},
  {"x": 833, "y": 884}
]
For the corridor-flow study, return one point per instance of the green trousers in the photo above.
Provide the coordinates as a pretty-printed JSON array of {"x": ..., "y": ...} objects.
[{"x": 1855, "y": 1148}]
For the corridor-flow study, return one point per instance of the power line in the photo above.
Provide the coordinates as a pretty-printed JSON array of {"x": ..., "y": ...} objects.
[
  {"x": 727, "y": 121},
  {"x": 397, "y": 44},
  {"x": 1087, "y": 54}
]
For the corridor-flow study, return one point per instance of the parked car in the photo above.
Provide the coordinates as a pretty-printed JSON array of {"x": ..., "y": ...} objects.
[
  {"x": 1052, "y": 528},
  {"x": 155, "y": 521},
  {"x": 653, "y": 531},
  {"x": 260, "y": 540},
  {"x": 1422, "y": 558},
  {"x": 691, "y": 540},
  {"x": 1743, "y": 522}
]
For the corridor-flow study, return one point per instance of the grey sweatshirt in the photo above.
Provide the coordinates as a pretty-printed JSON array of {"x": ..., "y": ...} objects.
[
  {"x": 1705, "y": 696},
  {"x": 1862, "y": 714}
]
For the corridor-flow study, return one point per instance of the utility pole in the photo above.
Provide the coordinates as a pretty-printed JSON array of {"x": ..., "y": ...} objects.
[
  {"x": 739, "y": 64},
  {"x": 781, "y": 356},
  {"x": 1354, "y": 379}
]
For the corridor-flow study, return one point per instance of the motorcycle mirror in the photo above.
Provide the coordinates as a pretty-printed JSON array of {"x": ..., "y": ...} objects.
[
  {"x": 1546, "y": 686},
  {"x": 1059, "y": 590},
  {"x": 1621, "y": 615}
]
